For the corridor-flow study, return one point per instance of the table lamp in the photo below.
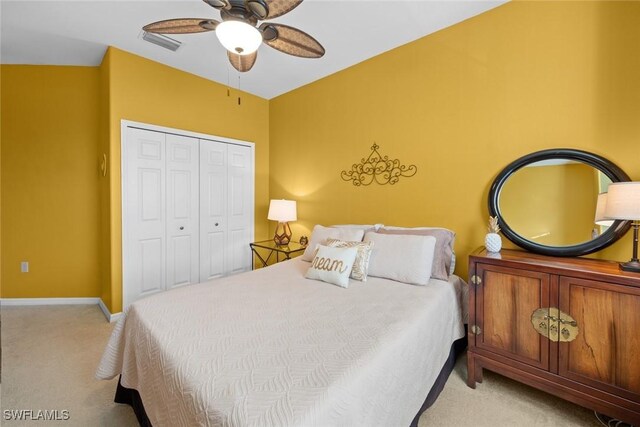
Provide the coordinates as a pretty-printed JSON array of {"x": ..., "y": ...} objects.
[
  {"x": 601, "y": 205},
  {"x": 623, "y": 202},
  {"x": 282, "y": 211}
]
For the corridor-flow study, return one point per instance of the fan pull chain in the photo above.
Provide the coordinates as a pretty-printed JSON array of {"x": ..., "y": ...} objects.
[
  {"x": 239, "y": 99},
  {"x": 228, "y": 82}
]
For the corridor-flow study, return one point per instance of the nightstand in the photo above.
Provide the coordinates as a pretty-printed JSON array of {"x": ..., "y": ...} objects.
[
  {"x": 269, "y": 248},
  {"x": 567, "y": 326}
]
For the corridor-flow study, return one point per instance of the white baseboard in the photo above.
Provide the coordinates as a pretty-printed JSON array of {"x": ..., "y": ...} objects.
[
  {"x": 110, "y": 317},
  {"x": 48, "y": 301},
  {"x": 7, "y": 302}
]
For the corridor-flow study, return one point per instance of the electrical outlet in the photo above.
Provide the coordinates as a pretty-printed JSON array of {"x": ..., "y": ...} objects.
[{"x": 24, "y": 267}]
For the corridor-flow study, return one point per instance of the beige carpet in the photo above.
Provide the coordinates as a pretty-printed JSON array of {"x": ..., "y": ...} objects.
[
  {"x": 499, "y": 401},
  {"x": 49, "y": 355}
]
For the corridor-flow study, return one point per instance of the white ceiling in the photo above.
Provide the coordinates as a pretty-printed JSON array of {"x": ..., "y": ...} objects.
[{"x": 78, "y": 32}]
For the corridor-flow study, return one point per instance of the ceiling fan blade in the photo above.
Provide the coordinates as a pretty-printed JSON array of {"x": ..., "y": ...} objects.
[
  {"x": 219, "y": 4},
  {"x": 182, "y": 26},
  {"x": 242, "y": 63},
  {"x": 291, "y": 41},
  {"x": 280, "y": 7}
]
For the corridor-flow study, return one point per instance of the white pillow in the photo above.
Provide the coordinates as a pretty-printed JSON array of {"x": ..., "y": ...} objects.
[
  {"x": 320, "y": 235},
  {"x": 404, "y": 258},
  {"x": 361, "y": 264},
  {"x": 332, "y": 265},
  {"x": 444, "y": 250}
]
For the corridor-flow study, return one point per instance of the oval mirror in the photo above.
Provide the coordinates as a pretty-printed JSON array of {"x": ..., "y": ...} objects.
[{"x": 546, "y": 202}]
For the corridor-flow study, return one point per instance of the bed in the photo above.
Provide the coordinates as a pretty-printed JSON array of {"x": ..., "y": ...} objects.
[{"x": 272, "y": 348}]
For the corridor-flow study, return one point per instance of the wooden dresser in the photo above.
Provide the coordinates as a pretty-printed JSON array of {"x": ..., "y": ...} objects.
[{"x": 568, "y": 326}]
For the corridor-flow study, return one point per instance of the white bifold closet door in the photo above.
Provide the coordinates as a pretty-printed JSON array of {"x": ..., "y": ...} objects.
[
  {"x": 144, "y": 245},
  {"x": 240, "y": 210},
  {"x": 225, "y": 209},
  {"x": 187, "y": 211},
  {"x": 213, "y": 209},
  {"x": 183, "y": 202}
]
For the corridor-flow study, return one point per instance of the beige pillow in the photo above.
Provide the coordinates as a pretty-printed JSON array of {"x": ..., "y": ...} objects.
[
  {"x": 402, "y": 258},
  {"x": 332, "y": 265},
  {"x": 361, "y": 264},
  {"x": 443, "y": 255},
  {"x": 365, "y": 227},
  {"x": 320, "y": 235}
]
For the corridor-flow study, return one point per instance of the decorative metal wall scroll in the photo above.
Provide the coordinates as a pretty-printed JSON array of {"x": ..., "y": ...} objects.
[{"x": 378, "y": 169}]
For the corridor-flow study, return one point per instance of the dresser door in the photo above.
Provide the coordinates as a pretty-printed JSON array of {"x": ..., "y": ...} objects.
[
  {"x": 505, "y": 301},
  {"x": 605, "y": 352}
]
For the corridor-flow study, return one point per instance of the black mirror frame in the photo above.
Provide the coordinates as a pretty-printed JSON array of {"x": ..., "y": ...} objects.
[{"x": 615, "y": 232}]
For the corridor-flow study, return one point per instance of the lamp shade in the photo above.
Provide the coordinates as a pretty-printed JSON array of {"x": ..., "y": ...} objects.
[
  {"x": 623, "y": 201},
  {"x": 282, "y": 210},
  {"x": 239, "y": 37},
  {"x": 601, "y": 219}
]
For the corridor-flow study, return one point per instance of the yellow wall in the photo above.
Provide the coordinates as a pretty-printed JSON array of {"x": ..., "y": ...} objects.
[
  {"x": 59, "y": 213},
  {"x": 461, "y": 104},
  {"x": 552, "y": 205},
  {"x": 50, "y": 181},
  {"x": 179, "y": 100},
  {"x": 104, "y": 142}
]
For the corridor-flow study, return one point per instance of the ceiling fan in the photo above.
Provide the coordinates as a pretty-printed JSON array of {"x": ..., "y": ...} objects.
[{"x": 239, "y": 34}]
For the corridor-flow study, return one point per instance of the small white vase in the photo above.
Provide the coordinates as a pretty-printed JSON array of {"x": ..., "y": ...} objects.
[{"x": 493, "y": 242}]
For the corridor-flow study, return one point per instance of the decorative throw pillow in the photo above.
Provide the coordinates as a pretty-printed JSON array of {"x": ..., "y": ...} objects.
[
  {"x": 403, "y": 258},
  {"x": 332, "y": 265},
  {"x": 444, "y": 256},
  {"x": 320, "y": 235},
  {"x": 361, "y": 264}
]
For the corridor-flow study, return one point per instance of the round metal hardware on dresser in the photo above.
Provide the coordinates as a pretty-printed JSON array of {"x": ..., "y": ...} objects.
[{"x": 546, "y": 202}]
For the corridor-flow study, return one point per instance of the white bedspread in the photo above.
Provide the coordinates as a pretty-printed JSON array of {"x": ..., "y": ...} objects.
[{"x": 271, "y": 348}]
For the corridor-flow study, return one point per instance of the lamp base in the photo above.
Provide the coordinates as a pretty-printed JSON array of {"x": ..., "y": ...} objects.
[
  {"x": 633, "y": 265},
  {"x": 282, "y": 238}
]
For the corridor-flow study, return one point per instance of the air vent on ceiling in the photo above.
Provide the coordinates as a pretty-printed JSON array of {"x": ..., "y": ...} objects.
[{"x": 160, "y": 40}]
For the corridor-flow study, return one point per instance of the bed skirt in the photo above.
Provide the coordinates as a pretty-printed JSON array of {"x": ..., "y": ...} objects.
[
  {"x": 456, "y": 349},
  {"x": 131, "y": 397}
]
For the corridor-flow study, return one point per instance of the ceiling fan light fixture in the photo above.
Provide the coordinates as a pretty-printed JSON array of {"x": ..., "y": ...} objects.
[{"x": 239, "y": 37}]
